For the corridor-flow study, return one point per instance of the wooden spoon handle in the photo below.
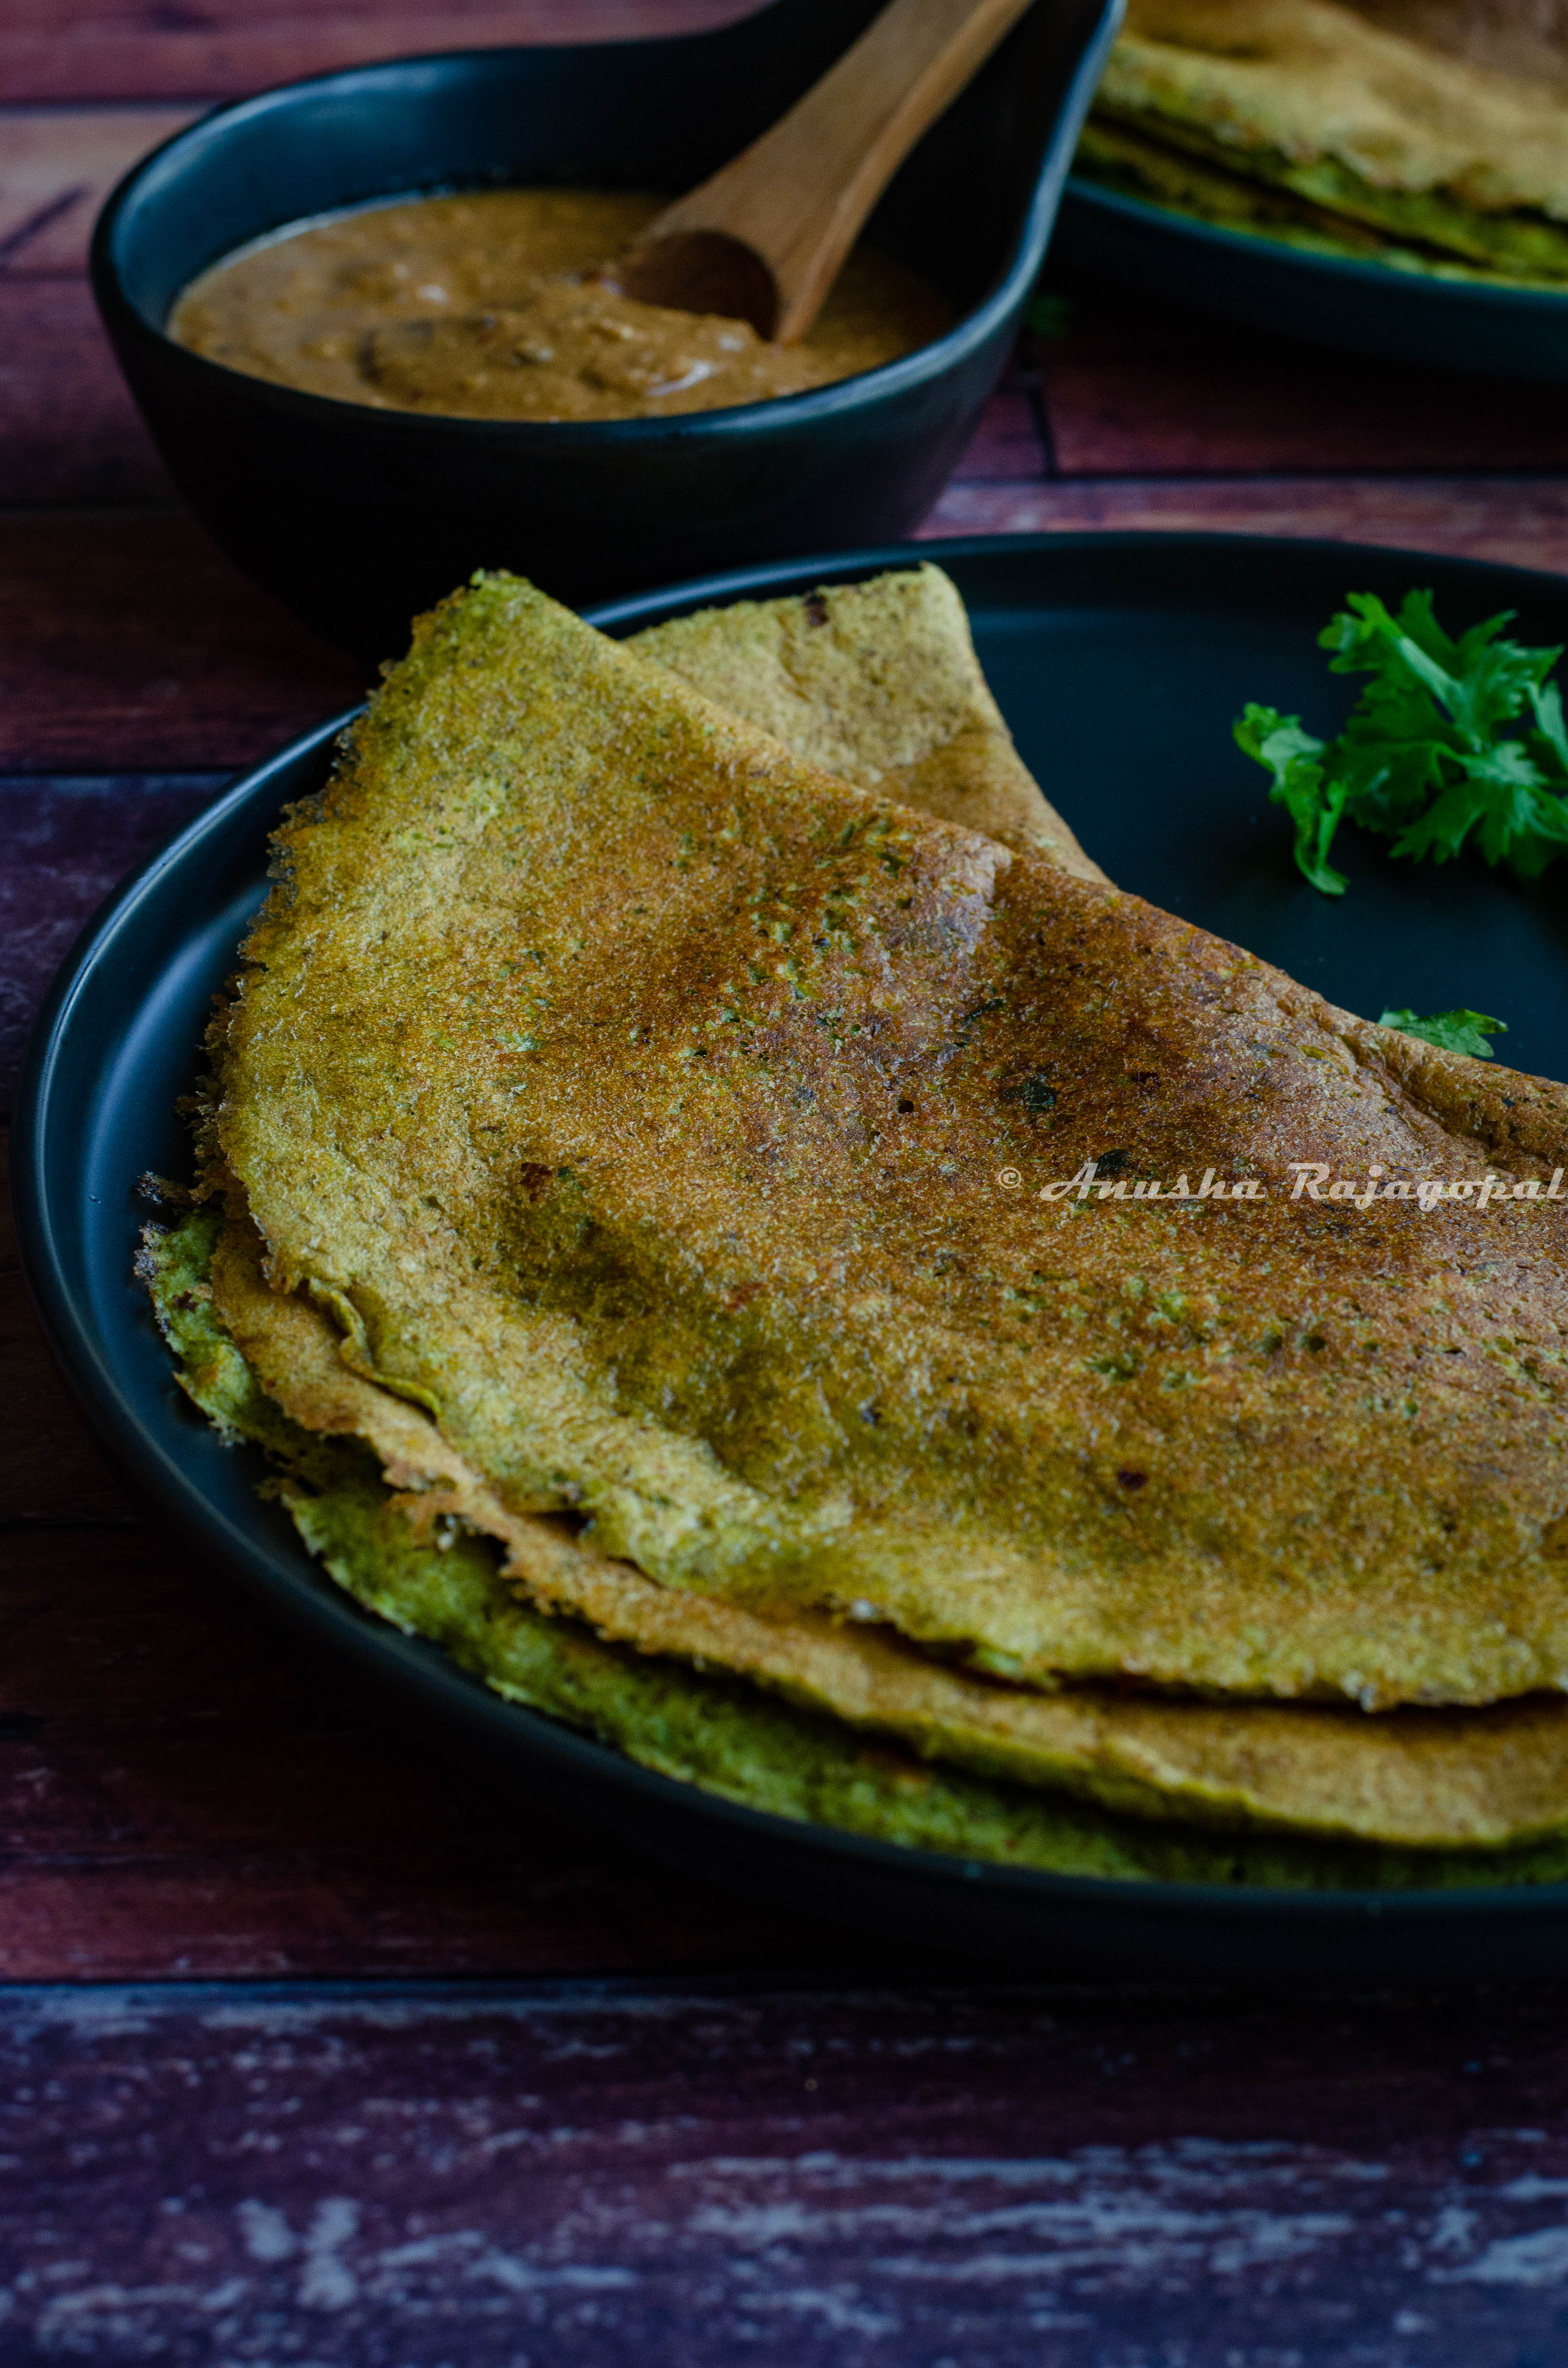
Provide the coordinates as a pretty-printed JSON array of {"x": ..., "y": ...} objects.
[{"x": 799, "y": 196}]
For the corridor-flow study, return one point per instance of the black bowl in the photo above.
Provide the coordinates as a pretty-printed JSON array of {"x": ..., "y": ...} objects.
[{"x": 359, "y": 517}]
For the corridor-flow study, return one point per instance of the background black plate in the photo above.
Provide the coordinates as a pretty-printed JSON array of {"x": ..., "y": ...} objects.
[
  {"x": 1120, "y": 661},
  {"x": 1368, "y": 307}
]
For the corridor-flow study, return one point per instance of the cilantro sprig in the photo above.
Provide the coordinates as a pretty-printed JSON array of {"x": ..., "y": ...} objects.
[
  {"x": 1450, "y": 742},
  {"x": 1456, "y": 1032}
]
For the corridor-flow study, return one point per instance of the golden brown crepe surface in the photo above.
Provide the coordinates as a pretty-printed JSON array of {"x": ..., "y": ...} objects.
[
  {"x": 637, "y": 1099},
  {"x": 1421, "y": 1778},
  {"x": 879, "y": 685}
]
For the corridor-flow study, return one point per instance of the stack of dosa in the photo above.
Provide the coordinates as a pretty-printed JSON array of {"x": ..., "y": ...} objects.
[
  {"x": 1301, "y": 119},
  {"x": 621, "y": 1217}
]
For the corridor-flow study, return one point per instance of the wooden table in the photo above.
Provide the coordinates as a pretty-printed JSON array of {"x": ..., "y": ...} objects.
[{"x": 318, "y": 2052}]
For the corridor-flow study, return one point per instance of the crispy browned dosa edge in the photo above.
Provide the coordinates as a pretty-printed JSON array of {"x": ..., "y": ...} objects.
[
  {"x": 879, "y": 683},
  {"x": 670, "y": 1118},
  {"x": 1436, "y": 1778}
]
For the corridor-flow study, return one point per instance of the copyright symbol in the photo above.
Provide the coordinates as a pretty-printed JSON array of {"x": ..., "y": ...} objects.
[{"x": 1010, "y": 1179}]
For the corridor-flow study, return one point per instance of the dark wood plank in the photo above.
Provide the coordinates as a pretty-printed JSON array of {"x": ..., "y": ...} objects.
[
  {"x": 51, "y": 1474},
  {"x": 1522, "y": 520},
  {"x": 57, "y": 166},
  {"x": 1007, "y": 448},
  {"x": 69, "y": 430},
  {"x": 822, "y": 2179},
  {"x": 63, "y": 845},
  {"x": 50, "y": 1471},
  {"x": 127, "y": 641},
  {"x": 82, "y": 50},
  {"x": 1137, "y": 389},
  {"x": 184, "y": 1791}
]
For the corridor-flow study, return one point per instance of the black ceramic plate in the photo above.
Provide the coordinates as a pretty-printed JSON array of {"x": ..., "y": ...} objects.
[
  {"x": 1120, "y": 661},
  {"x": 1369, "y": 307}
]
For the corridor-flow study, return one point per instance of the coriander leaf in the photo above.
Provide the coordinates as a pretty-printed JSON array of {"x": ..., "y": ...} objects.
[
  {"x": 1455, "y": 1032},
  {"x": 1495, "y": 792},
  {"x": 1290, "y": 754},
  {"x": 1477, "y": 681},
  {"x": 1391, "y": 765},
  {"x": 1546, "y": 839},
  {"x": 1548, "y": 742},
  {"x": 1426, "y": 757},
  {"x": 1365, "y": 639}
]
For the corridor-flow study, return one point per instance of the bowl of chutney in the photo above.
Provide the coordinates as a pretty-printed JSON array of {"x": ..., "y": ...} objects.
[{"x": 349, "y": 309}]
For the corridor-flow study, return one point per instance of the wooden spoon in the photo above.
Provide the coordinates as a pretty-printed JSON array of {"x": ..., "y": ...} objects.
[{"x": 763, "y": 239}]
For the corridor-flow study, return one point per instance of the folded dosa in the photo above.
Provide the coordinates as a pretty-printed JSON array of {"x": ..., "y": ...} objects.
[
  {"x": 1418, "y": 1778},
  {"x": 635, "y": 1097},
  {"x": 443, "y": 1583},
  {"x": 1114, "y": 153},
  {"x": 1355, "y": 118},
  {"x": 879, "y": 685}
]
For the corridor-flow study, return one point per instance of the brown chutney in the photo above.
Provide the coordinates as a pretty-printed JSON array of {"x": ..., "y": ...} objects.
[{"x": 482, "y": 306}]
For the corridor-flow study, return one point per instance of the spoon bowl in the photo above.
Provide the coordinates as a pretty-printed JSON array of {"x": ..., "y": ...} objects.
[{"x": 699, "y": 271}]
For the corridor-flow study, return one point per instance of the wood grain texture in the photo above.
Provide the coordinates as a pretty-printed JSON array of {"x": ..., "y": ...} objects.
[
  {"x": 57, "y": 166},
  {"x": 69, "y": 430},
  {"x": 185, "y": 1792},
  {"x": 51, "y": 1474},
  {"x": 50, "y": 1471},
  {"x": 1007, "y": 449},
  {"x": 144, "y": 52},
  {"x": 63, "y": 845},
  {"x": 128, "y": 641},
  {"x": 829, "y": 2178},
  {"x": 977, "y": 2178},
  {"x": 1522, "y": 520}
]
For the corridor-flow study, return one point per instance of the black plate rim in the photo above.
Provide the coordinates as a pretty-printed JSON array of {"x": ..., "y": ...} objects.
[
  {"x": 1143, "y": 214},
  {"x": 313, "y": 1599}
]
